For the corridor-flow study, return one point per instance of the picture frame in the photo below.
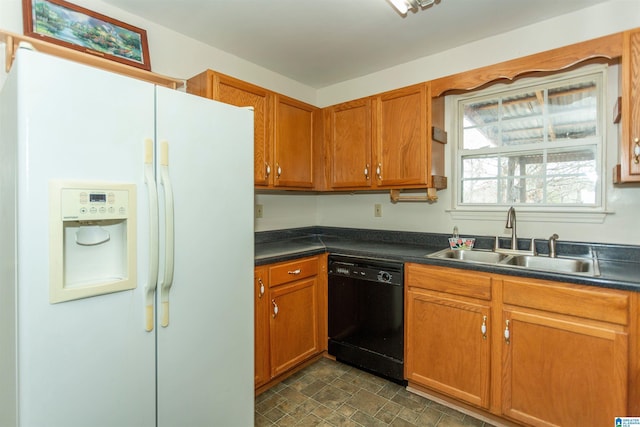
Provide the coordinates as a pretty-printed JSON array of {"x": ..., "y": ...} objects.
[{"x": 72, "y": 26}]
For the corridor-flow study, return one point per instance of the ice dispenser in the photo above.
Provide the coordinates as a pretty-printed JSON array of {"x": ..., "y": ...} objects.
[{"x": 92, "y": 239}]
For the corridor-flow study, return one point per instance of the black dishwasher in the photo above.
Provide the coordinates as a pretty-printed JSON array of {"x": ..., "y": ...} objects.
[{"x": 366, "y": 314}]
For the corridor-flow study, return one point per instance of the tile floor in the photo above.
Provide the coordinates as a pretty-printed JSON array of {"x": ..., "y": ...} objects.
[{"x": 329, "y": 393}]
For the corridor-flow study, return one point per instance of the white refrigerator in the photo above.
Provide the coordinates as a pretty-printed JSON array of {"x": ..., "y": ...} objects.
[{"x": 141, "y": 318}]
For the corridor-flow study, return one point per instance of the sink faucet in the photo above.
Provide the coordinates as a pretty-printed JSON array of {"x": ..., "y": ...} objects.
[
  {"x": 552, "y": 245},
  {"x": 511, "y": 223}
]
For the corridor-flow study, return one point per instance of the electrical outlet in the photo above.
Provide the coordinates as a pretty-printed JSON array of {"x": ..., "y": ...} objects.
[
  {"x": 377, "y": 210},
  {"x": 258, "y": 211}
]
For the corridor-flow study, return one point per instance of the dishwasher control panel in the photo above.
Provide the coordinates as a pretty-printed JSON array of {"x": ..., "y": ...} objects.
[{"x": 370, "y": 271}]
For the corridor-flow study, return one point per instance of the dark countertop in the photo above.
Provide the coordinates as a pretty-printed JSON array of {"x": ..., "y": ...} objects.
[{"x": 619, "y": 264}]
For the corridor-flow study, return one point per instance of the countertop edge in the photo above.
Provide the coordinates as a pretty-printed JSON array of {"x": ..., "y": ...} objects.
[{"x": 418, "y": 254}]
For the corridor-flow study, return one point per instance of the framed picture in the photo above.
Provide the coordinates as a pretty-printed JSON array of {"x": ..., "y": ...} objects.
[{"x": 75, "y": 27}]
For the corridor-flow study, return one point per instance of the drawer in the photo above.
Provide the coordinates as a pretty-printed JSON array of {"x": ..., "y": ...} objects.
[
  {"x": 294, "y": 270},
  {"x": 606, "y": 305},
  {"x": 452, "y": 281}
]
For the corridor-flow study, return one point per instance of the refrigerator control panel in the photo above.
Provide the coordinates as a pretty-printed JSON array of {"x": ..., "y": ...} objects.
[{"x": 86, "y": 204}]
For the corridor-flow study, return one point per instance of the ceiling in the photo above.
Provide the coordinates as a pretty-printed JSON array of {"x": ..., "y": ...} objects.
[{"x": 323, "y": 42}]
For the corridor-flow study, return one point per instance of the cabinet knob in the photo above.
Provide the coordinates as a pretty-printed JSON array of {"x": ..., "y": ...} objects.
[
  {"x": 275, "y": 308},
  {"x": 261, "y": 291},
  {"x": 507, "y": 334},
  {"x": 483, "y": 328},
  {"x": 636, "y": 151}
]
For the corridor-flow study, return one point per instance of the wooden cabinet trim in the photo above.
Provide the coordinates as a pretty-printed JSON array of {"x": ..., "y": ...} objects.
[
  {"x": 607, "y": 47},
  {"x": 607, "y": 305},
  {"x": 449, "y": 280},
  {"x": 291, "y": 271},
  {"x": 219, "y": 78}
]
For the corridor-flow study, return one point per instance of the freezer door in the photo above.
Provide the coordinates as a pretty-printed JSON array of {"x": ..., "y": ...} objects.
[
  {"x": 205, "y": 330},
  {"x": 87, "y": 362}
]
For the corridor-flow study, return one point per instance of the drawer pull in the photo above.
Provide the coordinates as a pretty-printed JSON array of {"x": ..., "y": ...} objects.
[
  {"x": 507, "y": 334},
  {"x": 636, "y": 151},
  {"x": 295, "y": 272},
  {"x": 261, "y": 292},
  {"x": 483, "y": 328},
  {"x": 275, "y": 308}
]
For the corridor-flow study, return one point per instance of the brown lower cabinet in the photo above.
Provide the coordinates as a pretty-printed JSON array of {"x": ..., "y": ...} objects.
[
  {"x": 528, "y": 351},
  {"x": 290, "y": 317},
  {"x": 445, "y": 347}
]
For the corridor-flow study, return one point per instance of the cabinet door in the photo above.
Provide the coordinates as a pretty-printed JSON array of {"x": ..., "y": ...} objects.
[
  {"x": 447, "y": 346},
  {"x": 401, "y": 137},
  {"x": 559, "y": 372},
  {"x": 236, "y": 92},
  {"x": 261, "y": 324},
  {"x": 294, "y": 324},
  {"x": 630, "y": 144},
  {"x": 294, "y": 122},
  {"x": 349, "y": 142}
]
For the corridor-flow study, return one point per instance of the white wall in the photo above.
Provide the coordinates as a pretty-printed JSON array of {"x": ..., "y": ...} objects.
[
  {"x": 596, "y": 21},
  {"x": 178, "y": 56},
  {"x": 174, "y": 54}
]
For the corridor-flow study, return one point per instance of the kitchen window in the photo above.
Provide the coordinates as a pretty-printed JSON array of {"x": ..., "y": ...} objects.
[{"x": 536, "y": 144}]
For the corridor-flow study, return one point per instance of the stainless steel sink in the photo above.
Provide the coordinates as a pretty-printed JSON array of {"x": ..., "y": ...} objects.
[
  {"x": 579, "y": 266},
  {"x": 588, "y": 266},
  {"x": 487, "y": 257}
]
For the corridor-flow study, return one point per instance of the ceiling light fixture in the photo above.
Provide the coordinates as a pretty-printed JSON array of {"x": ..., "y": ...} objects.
[{"x": 403, "y": 6}]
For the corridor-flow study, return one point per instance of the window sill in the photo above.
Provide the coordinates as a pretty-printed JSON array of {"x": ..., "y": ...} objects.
[{"x": 530, "y": 215}]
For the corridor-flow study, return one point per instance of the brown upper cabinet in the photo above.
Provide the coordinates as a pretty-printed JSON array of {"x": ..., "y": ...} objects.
[
  {"x": 284, "y": 129},
  {"x": 395, "y": 140},
  {"x": 385, "y": 141},
  {"x": 629, "y": 168},
  {"x": 349, "y": 144},
  {"x": 293, "y": 157},
  {"x": 400, "y": 125}
]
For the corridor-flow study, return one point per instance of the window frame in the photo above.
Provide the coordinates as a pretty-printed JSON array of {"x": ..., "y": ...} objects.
[{"x": 466, "y": 210}]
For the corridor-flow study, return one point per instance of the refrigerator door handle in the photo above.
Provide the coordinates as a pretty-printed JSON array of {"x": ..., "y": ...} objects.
[
  {"x": 167, "y": 279},
  {"x": 150, "y": 180}
]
